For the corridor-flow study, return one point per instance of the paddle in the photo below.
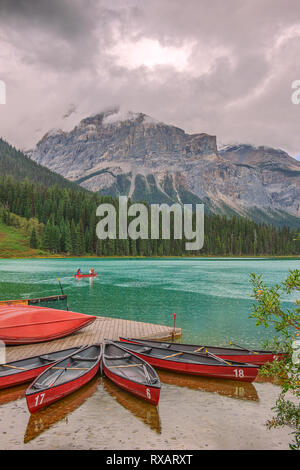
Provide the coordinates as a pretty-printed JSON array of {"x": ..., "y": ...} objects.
[
  {"x": 172, "y": 355},
  {"x": 242, "y": 347},
  {"x": 146, "y": 374},
  {"x": 64, "y": 369},
  {"x": 45, "y": 384},
  {"x": 199, "y": 349},
  {"x": 218, "y": 358},
  {"x": 13, "y": 367},
  {"x": 59, "y": 375}
]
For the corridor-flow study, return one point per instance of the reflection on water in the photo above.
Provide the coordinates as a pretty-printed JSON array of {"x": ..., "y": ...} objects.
[
  {"x": 47, "y": 417},
  {"x": 139, "y": 408},
  {"x": 230, "y": 388},
  {"x": 13, "y": 393}
]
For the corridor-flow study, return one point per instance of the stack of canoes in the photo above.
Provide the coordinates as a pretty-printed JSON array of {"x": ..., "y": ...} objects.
[{"x": 130, "y": 364}]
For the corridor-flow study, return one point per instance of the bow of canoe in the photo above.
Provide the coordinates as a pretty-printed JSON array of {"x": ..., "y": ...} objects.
[
  {"x": 21, "y": 324},
  {"x": 130, "y": 372}
]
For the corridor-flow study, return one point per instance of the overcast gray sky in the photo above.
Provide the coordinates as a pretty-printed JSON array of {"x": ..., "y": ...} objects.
[{"x": 215, "y": 66}]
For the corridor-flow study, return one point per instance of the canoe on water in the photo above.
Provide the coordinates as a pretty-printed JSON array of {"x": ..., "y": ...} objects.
[
  {"x": 79, "y": 276},
  {"x": 64, "y": 377},
  {"x": 193, "y": 363},
  {"x": 239, "y": 354},
  {"x": 130, "y": 372},
  {"x": 26, "y": 370},
  {"x": 20, "y": 324}
]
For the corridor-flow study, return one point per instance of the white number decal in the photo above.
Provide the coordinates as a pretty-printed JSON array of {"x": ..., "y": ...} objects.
[
  {"x": 239, "y": 372},
  {"x": 39, "y": 399},
  {"x": 148, "y": 393}
]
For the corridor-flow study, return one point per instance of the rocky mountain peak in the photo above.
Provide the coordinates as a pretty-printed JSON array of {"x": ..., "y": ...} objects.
[
  {"x": 121, "y": 152},
  {"x": 256, "y": 155}
]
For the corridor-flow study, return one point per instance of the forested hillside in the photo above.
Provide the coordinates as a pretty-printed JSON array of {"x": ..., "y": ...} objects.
[
  {"x": 67, "y": 224},
  {"x": 19, "y": 166}
]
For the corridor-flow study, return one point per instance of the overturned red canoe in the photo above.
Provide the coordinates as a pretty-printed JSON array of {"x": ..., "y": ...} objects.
[
  {"x": 79, "y": 276},
  {"x": 29, "y": 324}
]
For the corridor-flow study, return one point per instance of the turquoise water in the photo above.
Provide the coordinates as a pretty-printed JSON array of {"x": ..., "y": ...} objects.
[{"x": 211, "y": 296}]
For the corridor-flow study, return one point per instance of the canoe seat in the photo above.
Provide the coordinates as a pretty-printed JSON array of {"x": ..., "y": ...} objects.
[
  {"x": 79, "y": 358},
  {"x": 37, "y": 385},
  {"x": 125, "y": 356},
  {"x": 45, "y": 357},
  {"x": 145, "y": 350},
  {"x": 154, "y": 380}
]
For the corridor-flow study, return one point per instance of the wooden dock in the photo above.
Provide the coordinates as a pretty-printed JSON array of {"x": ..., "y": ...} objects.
[
  {"x": 51, "y": 298},
  {"x": 102, "y": 328}
]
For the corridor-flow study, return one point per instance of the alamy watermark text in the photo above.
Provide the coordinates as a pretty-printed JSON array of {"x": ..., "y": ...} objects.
[
  {"x": 2, "y": 92},
  {"x": 160, "y": 222}
]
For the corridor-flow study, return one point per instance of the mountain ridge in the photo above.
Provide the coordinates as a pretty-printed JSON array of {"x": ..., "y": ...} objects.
[
  {"x": 16, "y": 164},
  {"x": 127, "y": 153}
]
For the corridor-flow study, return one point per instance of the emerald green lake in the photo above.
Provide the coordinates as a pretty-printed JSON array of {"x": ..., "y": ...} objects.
[{"x": 211, "y": 296}]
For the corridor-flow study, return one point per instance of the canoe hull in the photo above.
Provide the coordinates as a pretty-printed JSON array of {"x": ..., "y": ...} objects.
[
  {"x": 194, "y": 364},
  {"x": 146, "y": 392},
  {"x": 257, "y": 359},
  {"x": 79, "y": 276},
  {"x": 31, "y": 324},
  {"x": 130, "y": 372},
  {"x": 39, "y": 400},
  {"x": 27, "y": 369},
  {"x": 242, "y": 374},
  {"x": 21, "y": 377}
]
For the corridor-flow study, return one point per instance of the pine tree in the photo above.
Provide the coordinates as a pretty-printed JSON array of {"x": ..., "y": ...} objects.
[{"x": 33, "y": 239}]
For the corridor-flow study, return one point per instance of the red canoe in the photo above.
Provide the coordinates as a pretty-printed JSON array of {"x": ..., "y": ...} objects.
[
  {"x": 257, "y": 357},
  {"x": 64, "y": 377},
  {"x": 26, "y": 370},
  {"x": 20, "y": 324},
  {"x": 192, "y": 363},
  {"x": 130, "y": 372},
  {"x": 79, "y": 276}
]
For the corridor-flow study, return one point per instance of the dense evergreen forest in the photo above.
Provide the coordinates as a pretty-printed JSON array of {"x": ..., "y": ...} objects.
[
  {"x": 19, "y": 166},
  {"x": 64, "y": 221}
]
